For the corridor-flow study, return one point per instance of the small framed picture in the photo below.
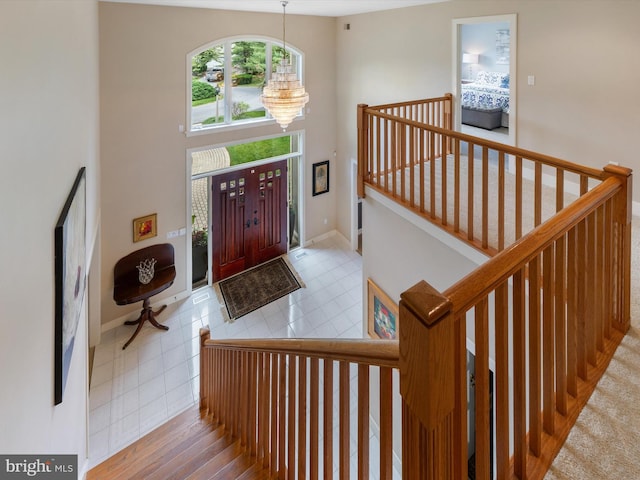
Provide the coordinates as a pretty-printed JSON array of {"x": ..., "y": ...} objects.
[
  {"x": 382, "y": 314},
  {"x": 145, "y": 227},
  {"x": 320, "y": 177}
]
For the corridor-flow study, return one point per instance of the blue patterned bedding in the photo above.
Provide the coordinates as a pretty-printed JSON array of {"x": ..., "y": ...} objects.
[{"x": 489, "y": 90}]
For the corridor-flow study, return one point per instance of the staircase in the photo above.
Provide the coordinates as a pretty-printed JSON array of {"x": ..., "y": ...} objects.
[{"x": 189, "y": 446}]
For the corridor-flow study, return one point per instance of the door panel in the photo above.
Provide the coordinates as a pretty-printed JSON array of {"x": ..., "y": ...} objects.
[
  {"x": 272, "y": 208},
  {"x": 229, "y": 229},
  {"x": 249, "y": 223}
]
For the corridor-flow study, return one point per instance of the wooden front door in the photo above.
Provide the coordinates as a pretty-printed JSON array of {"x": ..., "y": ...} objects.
[{"x": 249, "y": 210}]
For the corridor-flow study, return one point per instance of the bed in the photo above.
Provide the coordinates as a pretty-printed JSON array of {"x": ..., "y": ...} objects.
[{"x": 489, "y": 91}]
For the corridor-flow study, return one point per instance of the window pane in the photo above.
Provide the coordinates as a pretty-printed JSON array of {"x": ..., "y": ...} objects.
[
  {"x": 249, "y": 152},
  {"x": 249, "y": 64},
  {"x": 207, "y": 92}
]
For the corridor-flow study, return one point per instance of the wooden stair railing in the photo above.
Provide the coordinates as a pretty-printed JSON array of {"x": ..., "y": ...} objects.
[
  {"x": 485, "y": 193},
  {"x": 288, "y": 401},
  {"x": 549, "y": 308},
  {"x": 550, "y": 311}
]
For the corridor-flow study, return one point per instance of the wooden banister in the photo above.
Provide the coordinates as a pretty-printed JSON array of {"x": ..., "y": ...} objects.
[{"x": 263, "y": 392}]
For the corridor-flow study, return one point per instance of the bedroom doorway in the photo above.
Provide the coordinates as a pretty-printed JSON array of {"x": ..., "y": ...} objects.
[{"x": 484, "y": 77}]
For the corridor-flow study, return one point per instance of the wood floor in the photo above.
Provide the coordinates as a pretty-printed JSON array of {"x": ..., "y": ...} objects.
[{"x": 188, "y": 446}]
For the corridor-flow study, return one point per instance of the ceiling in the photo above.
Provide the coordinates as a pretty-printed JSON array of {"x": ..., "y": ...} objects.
[{"x": 325, "y": 8}]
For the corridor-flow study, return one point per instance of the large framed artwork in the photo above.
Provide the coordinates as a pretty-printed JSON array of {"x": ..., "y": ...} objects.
[
  {"x": 70, "y": 278},
  {"x": 382, "y": 313}
]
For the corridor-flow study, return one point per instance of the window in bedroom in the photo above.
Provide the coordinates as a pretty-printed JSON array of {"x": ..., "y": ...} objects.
[{"x": 226, "y": 81}]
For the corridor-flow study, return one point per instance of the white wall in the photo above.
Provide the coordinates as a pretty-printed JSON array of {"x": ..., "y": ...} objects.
[
  {"x": 398, "y": 252},
  {"x": 48, "y": 120}
]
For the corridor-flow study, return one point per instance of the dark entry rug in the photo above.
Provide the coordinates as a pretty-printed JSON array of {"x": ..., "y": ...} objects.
[{"x": 247, "y": 291}]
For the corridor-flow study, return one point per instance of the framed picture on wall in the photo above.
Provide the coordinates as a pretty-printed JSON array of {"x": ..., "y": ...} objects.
[
  {"x": 320, "y": 178},
  {"x": 145, "y": 227},
  {"x": 382, "y": 313},
  {"x": 70, "y": 279}
]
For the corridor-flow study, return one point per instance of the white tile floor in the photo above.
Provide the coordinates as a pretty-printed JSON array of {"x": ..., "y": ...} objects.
[{"x": 135, "y": 390}]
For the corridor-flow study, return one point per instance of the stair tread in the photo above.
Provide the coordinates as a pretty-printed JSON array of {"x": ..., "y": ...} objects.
[
  {"x": 209, "y": 469},
  {"x": 193, "y": 457},
  {"x": 190, "y": 424}
]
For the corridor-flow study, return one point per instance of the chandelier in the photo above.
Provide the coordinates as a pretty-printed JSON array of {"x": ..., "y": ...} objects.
[{"x": 284, "y": 95}]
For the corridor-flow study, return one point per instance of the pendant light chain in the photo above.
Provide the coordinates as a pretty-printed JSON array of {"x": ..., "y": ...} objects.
[
  {"x": 284, "y": 27},
  {"x": 284, "y": 95}
]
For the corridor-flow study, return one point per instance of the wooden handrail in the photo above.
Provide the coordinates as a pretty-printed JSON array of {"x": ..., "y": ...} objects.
[
  {"x": 381, "y": 353},
  {"x": 484, "y": 279},
  {"x": 552, "y": 303},
  {"x": 263, "y": 392},
  {"x": 507, "y": 149}
]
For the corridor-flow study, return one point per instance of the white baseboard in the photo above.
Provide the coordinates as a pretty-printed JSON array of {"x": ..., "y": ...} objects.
[
  {"x": 132, "y": 316},
  {"x": 319, "y": 238}
]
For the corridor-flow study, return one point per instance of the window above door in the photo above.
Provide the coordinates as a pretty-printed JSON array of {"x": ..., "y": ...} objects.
[{"x": 225, "y": 82}]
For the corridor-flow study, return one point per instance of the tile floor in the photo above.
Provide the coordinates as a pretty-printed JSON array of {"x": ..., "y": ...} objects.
[{"x": 156, "y": 377}]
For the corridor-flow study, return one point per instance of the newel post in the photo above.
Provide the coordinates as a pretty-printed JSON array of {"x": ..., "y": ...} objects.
[
  {"x": 363, "y": 157},
  {"x": 431, "y": 441},
  {"x": 622, "y": 217},
  {"x": 205, "y": 373}
]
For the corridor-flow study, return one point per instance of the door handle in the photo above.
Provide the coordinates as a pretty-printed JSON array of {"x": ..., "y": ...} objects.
[
  {"x": 248, "y": 224},
  {"x": 256, "y": 221}
]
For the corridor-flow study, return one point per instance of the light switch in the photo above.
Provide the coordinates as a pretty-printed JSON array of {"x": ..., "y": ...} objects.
[{"x": 531, "y": 80}]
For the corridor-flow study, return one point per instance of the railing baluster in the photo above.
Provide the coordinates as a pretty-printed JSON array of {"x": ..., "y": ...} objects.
[
  {"x": 483, "y": 440},
  {"x": 599, "y": 279},
  {"x": 273, "y": 460},
  {"x": 582, "y": 300},
  {"x": 302, "y": 418},
  {"x": 535, "y": 431},
  {"x": 501, "y": 193},
  {"x": 282, "y": 416},
  {"x": 572, "y": 312},
  {"x": 548, "y": 342},
  {"x": 412, "y": 170},
  {"x": 432, "y": 175},
  {"x": 344, "y": 429},
  {"x": 456, "y": 186},
  {"x": 590, "y": 259},
  {"x": 444, "y": 170},
  {"x": 363, "y": 422},
  {"x": 314, "y": 433},
  {"x": 485, "y": 197},
  {"x": 518, "y": 198},
  {"x": 291, "y": 418},
  {"x": 327, "y": 419},
  {"x": 560, "y": 326},
  {"x": 519, "y": 377},
  {"x": 607, "y": 285},
  {"x": 470, "y": 190},
  {"x": 559, "y": 189},
  {"x": 502, "y": 381},
  {"x": 386, "y": 423},
  {"x": 537, "y": 195}
]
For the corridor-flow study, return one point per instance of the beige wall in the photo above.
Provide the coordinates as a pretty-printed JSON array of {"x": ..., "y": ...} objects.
[
  {"x": 49, "y": 125},
  {"x": 143, "y": 75},
  {"x": 583, "y": 107}
]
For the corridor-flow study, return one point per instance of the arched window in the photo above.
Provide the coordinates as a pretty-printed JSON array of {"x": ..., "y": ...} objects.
[{"x": 227, "y": 78}]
